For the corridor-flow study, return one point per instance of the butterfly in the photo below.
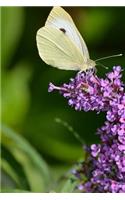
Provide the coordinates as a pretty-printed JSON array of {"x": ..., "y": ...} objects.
[{"x": 61, "y": 45}]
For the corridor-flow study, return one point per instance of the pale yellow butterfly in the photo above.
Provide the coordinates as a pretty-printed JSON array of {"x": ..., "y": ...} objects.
[{"x": 61, "y": 45}]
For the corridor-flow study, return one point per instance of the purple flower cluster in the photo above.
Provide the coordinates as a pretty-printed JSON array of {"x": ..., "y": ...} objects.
[{"x": 104, "y": 167}]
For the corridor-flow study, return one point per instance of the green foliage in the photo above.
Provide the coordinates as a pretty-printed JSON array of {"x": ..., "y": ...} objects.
[
  {"x": 69, "y": 186},
  {"x": 7, "y": 168},
  {"x": 15, "y": 95},
  {"x": 96, "y": 23},
  {"x": 11, "y": 31},
  {"x": 34, "y": 166}
]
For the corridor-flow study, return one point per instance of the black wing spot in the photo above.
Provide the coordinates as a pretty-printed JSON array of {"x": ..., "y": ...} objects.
[{"x": 63, "y": 30}]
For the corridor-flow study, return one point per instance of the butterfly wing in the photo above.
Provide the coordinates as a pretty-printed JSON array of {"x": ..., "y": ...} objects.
[
  {"x": 59, "y": 18},
  {"x": 56, "y": 49}
]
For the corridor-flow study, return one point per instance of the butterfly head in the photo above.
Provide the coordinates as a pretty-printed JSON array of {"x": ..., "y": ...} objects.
[{"x": 90, "y": 64}]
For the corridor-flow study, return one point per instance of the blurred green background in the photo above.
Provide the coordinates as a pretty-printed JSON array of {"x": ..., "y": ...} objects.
[{"x": 38, "y": 151}]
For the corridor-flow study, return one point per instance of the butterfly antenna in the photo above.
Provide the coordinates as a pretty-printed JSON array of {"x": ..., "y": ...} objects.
[
  {"x": 102, "y": 65},
  {"x": 70, "y": 129},
  {"x": 104, "y": 58}
]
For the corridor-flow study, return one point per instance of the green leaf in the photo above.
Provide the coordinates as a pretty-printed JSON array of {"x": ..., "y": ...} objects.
[
  {"x": 69, "y": 186},
  {"x": 8, "y": 190},
  {"x": 11, "y": 30},
  {"x": 15, "y": 94},
  {"x": 6, "y": 167},
  {"x": 35, "y": 168},
  {"x": 64, "y": 180}
]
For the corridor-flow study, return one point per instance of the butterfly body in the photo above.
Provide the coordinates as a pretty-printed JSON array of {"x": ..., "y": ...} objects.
[{"x": 60, "y": 43}]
